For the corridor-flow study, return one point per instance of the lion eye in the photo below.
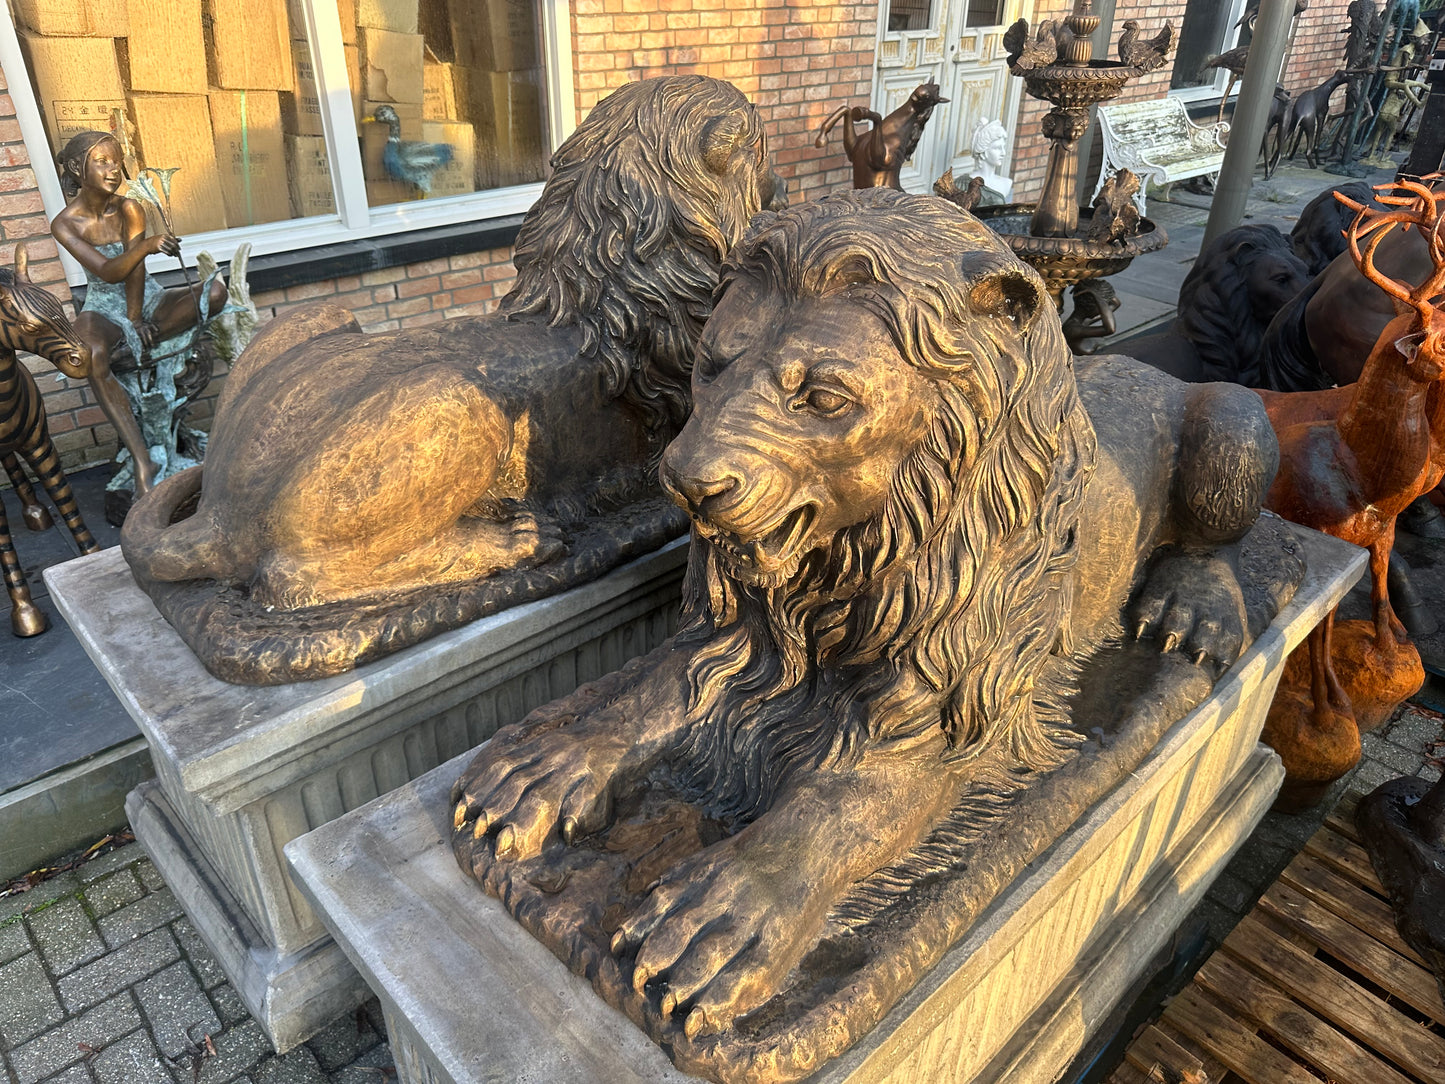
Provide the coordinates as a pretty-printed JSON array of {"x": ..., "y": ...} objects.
[{"x": 823, "y": 401}]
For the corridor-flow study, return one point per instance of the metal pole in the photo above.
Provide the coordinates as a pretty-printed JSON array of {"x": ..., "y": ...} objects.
[
  {"x": 1251, "y": 113},
  {"x": 1366, "y": 85}
]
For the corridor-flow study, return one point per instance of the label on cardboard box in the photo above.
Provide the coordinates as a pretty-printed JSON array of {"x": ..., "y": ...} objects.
[
  {"x": 309, "y": 175},
  {"x": 301, "y": 111},
  {"x": 439, "y": 91},
  {"x": 250, "y": 156}
]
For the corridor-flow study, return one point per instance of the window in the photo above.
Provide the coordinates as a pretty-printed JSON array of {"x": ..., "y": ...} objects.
[
  {"x": 1208, "y": 30},
  {"x": 296, "y": 123}
]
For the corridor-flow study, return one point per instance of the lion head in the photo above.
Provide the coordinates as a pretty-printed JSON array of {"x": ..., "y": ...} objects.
[
  {"x": 686, "y": 151},
  {"x": 884, "y": 466},
  {"x": 1232, "y": 292}
]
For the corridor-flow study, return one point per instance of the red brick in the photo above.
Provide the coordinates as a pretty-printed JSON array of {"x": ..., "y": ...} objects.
[
  {"x": 409, "y": 307},
  {"x": 413, "y": 287}
]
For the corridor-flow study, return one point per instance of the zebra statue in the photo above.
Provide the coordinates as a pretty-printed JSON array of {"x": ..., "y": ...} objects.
[{"x": 31, "y": 319}]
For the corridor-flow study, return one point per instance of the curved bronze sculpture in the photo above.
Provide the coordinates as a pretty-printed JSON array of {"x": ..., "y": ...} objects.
[
  {"x": 913, "y": 536},
  {"x": 362, "y": 492}
]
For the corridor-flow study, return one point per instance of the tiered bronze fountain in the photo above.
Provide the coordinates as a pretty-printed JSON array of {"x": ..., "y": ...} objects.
[{"x": 1068, "y": 244}]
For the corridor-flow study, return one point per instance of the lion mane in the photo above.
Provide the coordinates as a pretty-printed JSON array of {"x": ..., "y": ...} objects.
[
  {"x": 949, "y": 608},
  {"x": 625, "y": 243},
  {"x": 1217, "y": 313}
]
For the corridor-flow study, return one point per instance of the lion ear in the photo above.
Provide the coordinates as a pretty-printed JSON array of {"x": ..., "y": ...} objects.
[
  {"x": 1011, "y": 295},
  {"x": 720, "y": 137}
]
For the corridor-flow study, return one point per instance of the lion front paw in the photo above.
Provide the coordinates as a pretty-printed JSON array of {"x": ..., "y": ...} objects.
[
  {"x": 518, "y": 794},
  {"x": 719, "y": 937},
  {"x": 1191, "y": 602}
]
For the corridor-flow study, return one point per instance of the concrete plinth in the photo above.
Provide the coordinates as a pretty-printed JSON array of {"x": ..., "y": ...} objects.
[
  {"x": 470, "y": 996},
  {"x": 241, "y": 771}
]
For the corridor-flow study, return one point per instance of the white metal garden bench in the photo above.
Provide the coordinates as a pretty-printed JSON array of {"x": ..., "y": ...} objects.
[{"x": 1159, "y": 143}]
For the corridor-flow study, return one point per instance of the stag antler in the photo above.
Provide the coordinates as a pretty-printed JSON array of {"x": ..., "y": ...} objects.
[{"x": 1420, "y": 207}]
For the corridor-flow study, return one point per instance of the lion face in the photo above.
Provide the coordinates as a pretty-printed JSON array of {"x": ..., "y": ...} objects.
[
  {"x": 1274, "y": 280},
  {"x": 802, "y": 413}
]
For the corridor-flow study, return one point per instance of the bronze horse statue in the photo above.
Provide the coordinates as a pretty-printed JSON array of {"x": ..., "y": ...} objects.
[{"x": 879, "y": 153}]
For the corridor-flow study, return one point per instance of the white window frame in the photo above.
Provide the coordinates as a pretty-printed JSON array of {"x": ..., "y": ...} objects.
[
  {"x": 1221, "y": 77},
  {"x": 354, "y": 219}
]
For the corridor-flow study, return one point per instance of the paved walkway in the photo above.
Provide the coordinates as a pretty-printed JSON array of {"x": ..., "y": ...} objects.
[{"x": 103, "y": 979}]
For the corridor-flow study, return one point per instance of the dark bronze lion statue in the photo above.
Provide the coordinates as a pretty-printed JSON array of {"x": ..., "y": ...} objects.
[
  {"x": 913, "y": 531},
  {"x": 1237, "y": 284},
  {"x": 362, "y": 492}
]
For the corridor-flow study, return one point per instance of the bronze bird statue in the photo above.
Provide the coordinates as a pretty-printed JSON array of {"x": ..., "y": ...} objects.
[
  {"x": 1145, "y": 54},
  {"x": 1232, "y": 62},
  {"x": 1025, "y": 53},
  {"x": 1116, "y": 215},
  {"x": 967, "y": 197},
  {"x": 412, "y": 161}
]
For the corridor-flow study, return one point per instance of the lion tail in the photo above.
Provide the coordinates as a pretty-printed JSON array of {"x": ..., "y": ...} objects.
[{"x": 159, "y": 550}]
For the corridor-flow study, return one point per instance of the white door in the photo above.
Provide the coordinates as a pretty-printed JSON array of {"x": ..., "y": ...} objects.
[{"x": 959, "y": 45}]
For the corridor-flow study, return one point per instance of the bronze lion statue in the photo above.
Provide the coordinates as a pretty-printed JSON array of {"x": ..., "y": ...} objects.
[
  {"x": 914, "y": 533},
  {"x": 362, "y": 492},
  {"x": 1237, "y": 284}
]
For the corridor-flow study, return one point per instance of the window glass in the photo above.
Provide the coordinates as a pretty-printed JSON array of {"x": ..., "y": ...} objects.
[
  {"x": 984, "y": 13},
  {"x": 909, "y": 15},
  {"x": 1207, "y": 26},
  {"x": 447, "y": 98},
  {"x": 451, "y": 97}
]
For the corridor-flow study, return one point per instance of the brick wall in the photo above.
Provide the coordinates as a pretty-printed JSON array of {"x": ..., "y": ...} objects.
[
  {"x": 795, "y": 59},
  {"x": 1319, "y": 47}
]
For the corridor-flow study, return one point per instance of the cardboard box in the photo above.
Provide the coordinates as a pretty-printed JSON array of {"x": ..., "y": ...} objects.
[
  {"x": 250, "y": 155},
  {"x": 495, "y": 35},
  {"x": 434, "y": 22},
  {"x": 439, "y": 90},
  {"x": 457, "y": 177},
  {"x": 381, "y": 187},
  {"x": 174, "y": 130},
  {"x": 77, "y": 82},
  {"x": 169, "y": 56},
  {"x": 309, "y": 175},
  {"x": 301, "y": 108},
  {"x": 248, "y": 45},
  {"x": 391, "y": 68},
  {"x": 296, "y": 16},
  {"x": 75, "y": 18},
  {"x": 506, "y": 109},
  {"x": 397, "y": 15}
]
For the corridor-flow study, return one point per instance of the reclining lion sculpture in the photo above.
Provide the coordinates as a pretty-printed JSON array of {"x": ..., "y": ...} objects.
[
  {"x": 362, "y": 492},
  {"x": 917, "y": 541}
]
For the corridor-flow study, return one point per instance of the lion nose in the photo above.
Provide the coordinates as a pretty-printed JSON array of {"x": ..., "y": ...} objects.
[{"x": 697, "y": 495}]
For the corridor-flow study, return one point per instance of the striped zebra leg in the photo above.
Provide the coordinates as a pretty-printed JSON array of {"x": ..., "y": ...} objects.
[
  {"x": 40, "y": 454},
  {"x": 33, "y": 512},
  {"x": 25, "y": 618}
]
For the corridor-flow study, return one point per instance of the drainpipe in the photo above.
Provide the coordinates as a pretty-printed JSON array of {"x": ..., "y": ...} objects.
[{"x": 1251, "y": 113}]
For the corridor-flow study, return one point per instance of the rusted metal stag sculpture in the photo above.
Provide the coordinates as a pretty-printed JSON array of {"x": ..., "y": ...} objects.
[
  {"x": 1352, "y": 459},
  {"x": 31, "y": 319}
]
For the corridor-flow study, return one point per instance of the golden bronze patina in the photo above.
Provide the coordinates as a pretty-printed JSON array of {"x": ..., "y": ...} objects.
[
  {"x": 31, "y": 319},
  {"x": 362, "y": 492},
  {"x": 927, "y": 561}
]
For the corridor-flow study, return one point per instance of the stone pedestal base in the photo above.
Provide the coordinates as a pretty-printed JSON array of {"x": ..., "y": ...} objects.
[
  {"x": 471, "y": 997},
  {"x": 243, "y": 770}
]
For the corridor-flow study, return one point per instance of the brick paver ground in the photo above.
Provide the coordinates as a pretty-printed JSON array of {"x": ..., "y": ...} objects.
[{"x": 103, "y": 980}]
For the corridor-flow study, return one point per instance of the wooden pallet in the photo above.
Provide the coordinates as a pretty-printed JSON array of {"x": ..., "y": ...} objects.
[{"x": 1314, "y": 984}]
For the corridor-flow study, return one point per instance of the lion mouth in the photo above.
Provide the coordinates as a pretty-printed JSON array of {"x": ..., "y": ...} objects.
[{"x": 772, "y": 556}]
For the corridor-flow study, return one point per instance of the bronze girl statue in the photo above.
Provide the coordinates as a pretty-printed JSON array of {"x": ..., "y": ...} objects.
[{"x": 125, "y": 310}]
